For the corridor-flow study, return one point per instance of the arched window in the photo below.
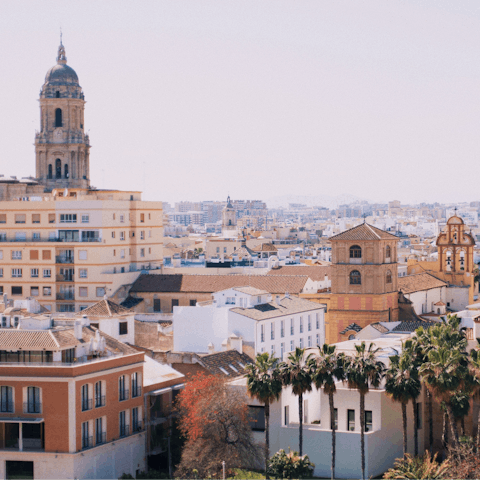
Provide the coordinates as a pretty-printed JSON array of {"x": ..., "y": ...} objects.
[
  {"x": 58, "y": 168},
  {"x": 351, "y": 337},
  {"x": 355, "y": 251},
  {"x": 389, "y": 276},
  {"x": 387, "y": 252},
  {"x": 355, "y": 278},
  {"x": 65, "y": 168},
  {"x": 58, "y": 117},
  {"x": 57, "y": 95},
  {"x": 50, "y": 171}
]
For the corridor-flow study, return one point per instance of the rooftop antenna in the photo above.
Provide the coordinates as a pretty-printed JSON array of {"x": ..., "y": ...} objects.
[
  {"x": 364, "y": 217},
  {"x": 61, "y": 36}
]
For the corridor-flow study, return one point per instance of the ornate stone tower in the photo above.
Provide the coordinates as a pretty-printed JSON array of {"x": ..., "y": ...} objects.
[
  {"x": 61, "y": 146},
  {"x": 364, "y": 280},
  {"x": 228, "y": 217}
]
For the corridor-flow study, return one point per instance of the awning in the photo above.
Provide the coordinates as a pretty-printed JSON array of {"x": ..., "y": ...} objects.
[
  {"x": 21, "y": 420},
  {"x": 161, "y": 391}
]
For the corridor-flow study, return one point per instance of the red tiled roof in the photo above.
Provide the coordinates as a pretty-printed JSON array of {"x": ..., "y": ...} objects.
[
  {"x": 315, "y": 272},
  {"x": 364, "y": 231}
]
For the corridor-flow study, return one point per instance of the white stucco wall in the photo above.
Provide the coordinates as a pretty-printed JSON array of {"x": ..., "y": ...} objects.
[
  {"x": 423, "y": 301},
  {"x": 457, "y": 297}
]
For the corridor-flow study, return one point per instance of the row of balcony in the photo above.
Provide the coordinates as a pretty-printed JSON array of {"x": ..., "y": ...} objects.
[
  {"x": 7, "y": 406},
  {"x": 88, "y": 404},
  {"x": 9, "y": 239},
  {"x": 101, "y": 438}
]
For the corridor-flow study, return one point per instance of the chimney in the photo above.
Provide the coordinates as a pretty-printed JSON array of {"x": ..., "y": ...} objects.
[
  {"x": 277, "y": 299},
  {"x": 78, "y": 330},
  {"x": 225, "y": 345},
  {"x": 211, "y": 348},
  {"x": 236, "y": 343}
]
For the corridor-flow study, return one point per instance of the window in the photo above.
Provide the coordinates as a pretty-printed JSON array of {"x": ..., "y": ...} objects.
[
  {"x": 51, "y": 218},
  {"x": 368, "y": 421},
  {"x": 142, "y": 252},
  {"x": 418, "y": 406},
  {"x": 292, "y": 345},
  {"x": 351, "y": 420},
  {"x": 309, "y": 323},
  {"x": 100, "y": 291},
  {"x": 174, "y": 303},
  {"x": 83, "y": 272},
  {"x": 272, "y": 331},
  {"x": 16, "y": 272},
  {"x": 282, "y": 328},
  {"x": 100, "y": 436},
  {"x": 291, "y": 326},
  {"x": 68, "y": 355},
  {"x": 142, "y": 218},
  {"x": 3, "y": 218},
  {"x": 35, "y": 218},
  {"x": 122, "y": 218},
  {"x": 282, "y": 350},
  {"x": 142, "y": 235},
  {"x": 355, "y": 252},
  {"x": 83, "y": 292},
  {"x": 136, "y": 421},
  {"x": 262, "y": 333},
  {"x": 87, "y": 441},
  {"x": 47, "y": 291},
  {"x": 256, "y": 415},
  {"x": 218, "y": 249},
  {"x": 99, "y": 395},
  {"x": 114, "y": 252},
  {"x": 85, "y": 218},
  {"x": 34, "y": 291},
  {"x": 318, "y": 339},
  {"x": 193, "y": 302},
  {"x": 301, "y": 324},
  {"x": 122, "y": 253},
  {"x": 122, "y": 235},
  {"x": 389, "y": 276},
  {"x": 1, "y": 275},
  {"x": 387, "y": 252},
  {"x": 122, "y": 391},
  {"x": 20, "y": 218},
  {"x": 47, "y": 273},
  {"x": 58, "y": 117},
  {"x": 156, "y": 305},
  {"x": 123, "y": 328},
  {"x": 355, "y": 278},
  {"x": 317, "y": 321},
  {"x": 6, "y": 399},
  {"x": 33, "y": 404},
  {"x": 309, "y": 341},
  {"x": 123, "y": 424},
  {"x": 16, "y": 254},
  {"x": 82, "y": 254},
  {"x": 136, "y": 387},
  {"x": 286, "y": 415},
  {"x": 86, "y": 401},
  {"x": 113, "y": 234},
  {"x": 35, "y": 236},
  {"x": 68, "y": 218},
  {"x": 301, "y": 343},
  {"x": 46, "y": 255},
  {"x": 335, "y": 420},
  {"x": 34, "y": 272}
]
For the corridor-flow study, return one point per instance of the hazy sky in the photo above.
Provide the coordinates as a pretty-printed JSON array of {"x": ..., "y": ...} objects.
[{"x": 200, "y": 99}]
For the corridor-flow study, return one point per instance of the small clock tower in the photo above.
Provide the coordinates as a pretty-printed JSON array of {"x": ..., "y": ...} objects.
[{"x": 61, "y": 145}]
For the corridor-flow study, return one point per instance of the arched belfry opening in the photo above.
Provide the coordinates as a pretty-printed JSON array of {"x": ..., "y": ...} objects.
[
  {"x": 58, "y": 118},
  {"x": 57, "y": 95},
  {"x": 58, "y": 168},
  {"x": 65, "y": 168},
  {"x": 50, "y": 171}
]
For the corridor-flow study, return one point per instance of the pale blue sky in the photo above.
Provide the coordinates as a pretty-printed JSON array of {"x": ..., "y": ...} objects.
[{"x": 257, "y": 98}]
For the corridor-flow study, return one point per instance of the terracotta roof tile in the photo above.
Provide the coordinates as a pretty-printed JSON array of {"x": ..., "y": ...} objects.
[
  {"x": 315, "y": 273},
  {"x": 13, "y": 339},
  {"x": 364, "y": 231},
  {"x": 104, "y": 308},
  {"x": 352, "y": 326},
  {"x": 231, "y": 361},
  {"x": 412, "y": 326},
  {"x": 419, "y": 282},
  {"x": 276, "y": 284}
]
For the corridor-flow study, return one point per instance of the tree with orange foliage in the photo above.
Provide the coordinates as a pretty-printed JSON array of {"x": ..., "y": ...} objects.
[{"x": 214, "y": 420}]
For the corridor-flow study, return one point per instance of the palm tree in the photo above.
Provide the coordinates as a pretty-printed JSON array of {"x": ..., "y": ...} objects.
[
  {"x": 474, "y": 366},
  {"x": 295, "y": 372},
  {"x": 444, "y": 373},
  {"x": 461, "y": 406},
  {"x": 327, "y": 369},
  {"x": 402, "y": 385},
  {"x": 362, "y": 371},
  {"x": 264, "y": 384}
]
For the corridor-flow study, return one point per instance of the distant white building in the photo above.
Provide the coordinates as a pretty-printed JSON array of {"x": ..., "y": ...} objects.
[{"x": 269, "y": 325}]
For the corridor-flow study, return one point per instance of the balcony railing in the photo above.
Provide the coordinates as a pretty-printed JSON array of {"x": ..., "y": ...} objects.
[
  {"x": 123, "y": 395},
  {"x": 62, "y": 259},
  {"x": 31, "y": 407},
  {"x": 137, "y": 427},
  {"x": 65, "y": 295},
  {"x": 136, "y": 391},
  {"x": 101, "y": 438},
  {"x": 65, "y": 278},
  {"x": 6, "y": 406},
  {"x": 100, "y": 401},
  {"x": 124, "y": 430},
  {"x": 87, "y": 442},
  {"x": 86, "y": 405}
]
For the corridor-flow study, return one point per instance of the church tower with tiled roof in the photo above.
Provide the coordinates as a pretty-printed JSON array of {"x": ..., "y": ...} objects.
[
  {"x": 364, "y": 280},
  {"x": 61, "y": 145}
]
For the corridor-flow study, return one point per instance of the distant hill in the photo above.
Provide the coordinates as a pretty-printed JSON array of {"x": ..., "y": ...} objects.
[{"x": 312, "y": 200}]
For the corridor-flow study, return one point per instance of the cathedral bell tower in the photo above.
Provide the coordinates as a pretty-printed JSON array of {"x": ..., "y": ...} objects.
[{"x": 61, "y": 146}]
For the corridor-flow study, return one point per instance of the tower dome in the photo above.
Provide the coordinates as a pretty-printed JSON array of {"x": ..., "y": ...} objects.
[{"x": 61, "y": 73}]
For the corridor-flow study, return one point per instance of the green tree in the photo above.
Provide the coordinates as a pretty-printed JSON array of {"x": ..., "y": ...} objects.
[
  {"x": 264, "y": 384},
  {"x": 295, "y": 373},
  {"x": 402, "y": 385},
  {"x": 474, "y": 366},
  {"x": 327, "y": 369},
  {"x": 362, "y": 371}
]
